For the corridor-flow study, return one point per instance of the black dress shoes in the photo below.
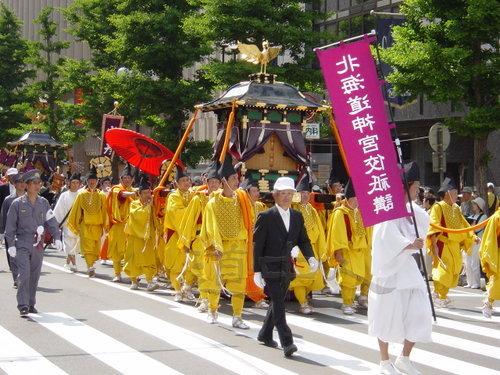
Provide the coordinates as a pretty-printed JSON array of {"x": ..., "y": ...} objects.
[
  {"x": 33, "y": 310},
  {"x": 24, "y": 311},
  {"x": 271, "y": 343},
  {"x": 289, "y": 350}
]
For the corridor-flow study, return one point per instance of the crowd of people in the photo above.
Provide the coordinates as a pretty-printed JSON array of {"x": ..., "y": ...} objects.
[{"x": 217, "y": 238}]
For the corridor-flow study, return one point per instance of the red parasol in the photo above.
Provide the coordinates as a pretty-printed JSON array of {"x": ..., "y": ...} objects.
[{"x": 140, "y": 151}]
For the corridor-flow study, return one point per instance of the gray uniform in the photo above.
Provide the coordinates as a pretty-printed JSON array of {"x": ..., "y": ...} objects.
[
  {"x": 23, "y": 219},
  {"x": 3, "y": 218}
]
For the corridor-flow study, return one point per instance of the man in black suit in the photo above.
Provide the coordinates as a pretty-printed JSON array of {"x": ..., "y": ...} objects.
[
  {"x": 8, "y": 188},
  {"x": 277, "y": 231}
]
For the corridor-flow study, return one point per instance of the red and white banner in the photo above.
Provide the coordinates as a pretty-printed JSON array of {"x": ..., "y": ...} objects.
[
  {"x": 109, "y": 122},
  {"x": 354, "y": 88}
]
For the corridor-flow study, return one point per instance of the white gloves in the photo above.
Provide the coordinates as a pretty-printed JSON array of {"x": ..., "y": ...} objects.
[
  {"x": 259, "y": 280},
  {"x": 313, "y": 263},
  {"x": 59, "y": 246},
  {"x": 295, "y": 252},
  {"x": 12, "y": 251}
]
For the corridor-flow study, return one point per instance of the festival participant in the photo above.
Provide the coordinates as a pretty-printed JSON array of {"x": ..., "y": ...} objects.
[
  {"x": 20, "y": 190},
  {"x": 251, "y": 187},
  {"x": 490, "y": 260},
  {"x": 277, "y": 231},
  {"x": 190, "y": 240},
  {"x": 399, "y": 305},
  {"x": 446, "y": 246},
  {"x": 71, "y": 245},
  {"x": 226, "y": 237},
  {"x": 175, "y": 258},
  {"x": 305, "y": 280},
  {"x": 350, "y": 242},
  {"x": 87, "y": 219},
  {"x": 118, "y": 208},
  {"x": 472, "y": 262},
  {"x": 27, "y": 218},
  {"x": 139, "y": 258}
]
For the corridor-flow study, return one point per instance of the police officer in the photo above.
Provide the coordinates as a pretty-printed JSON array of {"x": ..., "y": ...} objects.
[{"x": 27, "y": 218}]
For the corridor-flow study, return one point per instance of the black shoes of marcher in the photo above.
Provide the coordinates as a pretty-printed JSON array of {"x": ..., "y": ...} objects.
[
  {"x": 33, "y": 310},
  {"x": 271, "y": 343},
  {"x": 24, "y": 311},
  {"x": 289, "y": 350}
]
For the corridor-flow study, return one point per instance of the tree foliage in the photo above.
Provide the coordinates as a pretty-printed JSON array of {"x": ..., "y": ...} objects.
[
  {"x": 448, "y": 51},
  {"x": 14, "y": 51},
  {"x": 288, "y": 23}
]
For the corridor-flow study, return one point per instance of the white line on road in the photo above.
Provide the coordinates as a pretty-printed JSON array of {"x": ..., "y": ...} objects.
[
  {"x": 191, "y": 342},
  {"x": 113, "y": 353},
  {"x": 17, "y": 358}
]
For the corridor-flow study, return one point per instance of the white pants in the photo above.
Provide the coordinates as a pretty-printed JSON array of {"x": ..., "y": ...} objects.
[{"x": 473, "y": 267}]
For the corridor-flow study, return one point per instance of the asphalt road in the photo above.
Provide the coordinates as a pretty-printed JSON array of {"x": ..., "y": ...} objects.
[{"x": 93, "y": 326}]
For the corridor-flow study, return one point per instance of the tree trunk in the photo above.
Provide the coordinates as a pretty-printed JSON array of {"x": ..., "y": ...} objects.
[{"x": 480, "y": 165}]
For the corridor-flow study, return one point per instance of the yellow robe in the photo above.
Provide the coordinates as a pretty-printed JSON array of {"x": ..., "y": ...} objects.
[
  {"x": 316, "y": 234},
  {"x": 490, "y": 255},
  {"x": 87, "y": 219},
  {"x": 450, "y": 245},
  {"x": 140, "y": 256},
  {"x": 118, "y": 212},
  {"x": 175, "y": 258},
  {"x": 356, "y": 250}
]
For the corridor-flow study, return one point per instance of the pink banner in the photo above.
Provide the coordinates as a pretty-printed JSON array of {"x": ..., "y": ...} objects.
[
  {"x": 354, "y": 88},
  {"x": 109, "y": 122}
]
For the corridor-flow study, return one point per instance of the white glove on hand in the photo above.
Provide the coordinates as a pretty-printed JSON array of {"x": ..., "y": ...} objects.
[
  {"x": 295, "y": 252},
  {"x": 259, "y": 280},
  {"x": 12, "y": 251},
  {"x": 313, "y": 263},
  {"x": 59, "y": 246}
]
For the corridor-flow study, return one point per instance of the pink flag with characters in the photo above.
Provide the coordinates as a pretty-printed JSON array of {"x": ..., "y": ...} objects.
[{"x": 354, "y": 88}]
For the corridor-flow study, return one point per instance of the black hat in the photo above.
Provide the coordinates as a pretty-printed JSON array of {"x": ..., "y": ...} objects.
[
  {"x": 412, "y": 172},
  {"x": 68, "y": 175},
  {"x": 349, "y": 190},
  {"x": 248, "y": 183},
  {"x": 180, "y": 173},
  {"x": 17, "y": 178},
  {"x": 212, "y": 170},
  {"x": 75, "y": 176},
  {"x": 447, "y": 185},
  {"x": 227, "y": 169},
  {"x": 304, "y": 183},
  {"x": 333, "y": 178},
  {"x": 127, "y": 171},
  {"x": 92, "y": 173},
  {"x": 144, "y": 183},
  {"x": 33, "y": 175}
]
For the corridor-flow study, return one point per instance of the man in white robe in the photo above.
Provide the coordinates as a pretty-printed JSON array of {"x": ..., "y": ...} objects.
[
  {"x": 400, "y": 308},
  {"x": 71, "y": 243}
]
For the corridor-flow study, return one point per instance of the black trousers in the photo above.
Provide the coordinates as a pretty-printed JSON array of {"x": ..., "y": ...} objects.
[{"x": 277, "y": 289}]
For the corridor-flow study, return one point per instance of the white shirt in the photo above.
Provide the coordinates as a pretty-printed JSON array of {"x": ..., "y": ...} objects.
[
  {"x": 12, "y": 188},
  {"x": 285, "y": 215}
]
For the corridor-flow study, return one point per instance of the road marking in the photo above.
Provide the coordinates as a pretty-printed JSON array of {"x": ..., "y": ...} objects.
[
  {"x": 113, "y": 353},
  {"x": 191, "y": 342},
  {"x": 17, "y": 358},
  {"x": 421, "y": 356},
  {"x": 471, "y": 315}
]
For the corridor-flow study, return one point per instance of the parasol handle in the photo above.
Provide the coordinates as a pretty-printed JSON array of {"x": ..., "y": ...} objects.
[
  {"x": 228, "y": 132},
  {"x": 339, "y": 140},
  {"x": 178, "y": 151}
]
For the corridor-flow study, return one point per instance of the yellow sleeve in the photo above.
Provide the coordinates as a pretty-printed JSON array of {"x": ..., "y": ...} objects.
[
  {"x": 174, "y": 211},
  {"x": 189, "y": 223},
  {"x": 75, "y": 216},
  {"x": 209, "y": 231},
  {"x": 337, "y": 233},
  {"x": 323, "y": 254},
  {"x": 436, "y": 214}
]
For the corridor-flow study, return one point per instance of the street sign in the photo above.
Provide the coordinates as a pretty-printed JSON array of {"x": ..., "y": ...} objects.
[
  {"x": 438, "y": 162},
  {"x": 439, "y": 134},
  {"x": 311, "y": 131}
]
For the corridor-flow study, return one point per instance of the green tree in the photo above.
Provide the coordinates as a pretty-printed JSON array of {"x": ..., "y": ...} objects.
[
  {"x": 288, "y": 23},
  {"x": 448, "y": 51},
  {"x": 14, "y": 52},
  {"x": 147, "y": 39}
]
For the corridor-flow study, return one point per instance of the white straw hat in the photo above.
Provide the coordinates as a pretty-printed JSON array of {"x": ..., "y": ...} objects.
[{"x": 284, "y": 183}]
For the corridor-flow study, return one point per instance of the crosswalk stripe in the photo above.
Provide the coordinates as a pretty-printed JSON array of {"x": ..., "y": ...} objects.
[
  {"x": 18, "y": 358},
  {"x": 471, "y": 315},
  {"x": 113, "y": 353},
  {"x": 424, "y": 357},
  {"x": 438, "y": 338},
  {"x": 333, "y": 359},
  {"x": 441, "y": 322},
  {"x": 191, "y": 342}
]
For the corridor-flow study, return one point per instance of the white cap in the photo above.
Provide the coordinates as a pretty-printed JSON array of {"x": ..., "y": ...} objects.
[
  {"x": 284, "y": 183},
  {"x": 490, "y": 184},
  {"x": 480, "y": 203},
  {"x": 12, "y": 171}
]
